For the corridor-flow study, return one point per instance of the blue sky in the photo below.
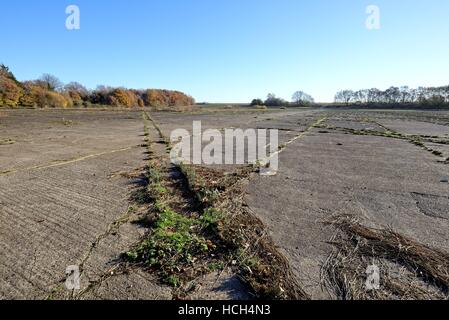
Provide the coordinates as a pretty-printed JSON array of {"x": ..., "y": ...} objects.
[{"x": 230, "y": 50}]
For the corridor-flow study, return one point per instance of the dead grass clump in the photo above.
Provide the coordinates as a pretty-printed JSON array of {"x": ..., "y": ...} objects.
[{"x": 410, "y": 270}]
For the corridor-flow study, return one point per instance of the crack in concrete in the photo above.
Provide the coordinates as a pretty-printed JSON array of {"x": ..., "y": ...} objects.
[
  {"x": 87, "y": 157},
  {"x": 297, "y": 137},
  {"x": 390, "y": 134},
  {"x": 113, "y": 227}
]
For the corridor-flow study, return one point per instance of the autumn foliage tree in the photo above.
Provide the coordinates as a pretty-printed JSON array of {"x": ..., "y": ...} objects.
[
  {"x": 10, "y": 89},
  {"x": 10, "y": 92},
  {"x": 37, "y": 95},
  {"x": 34, "y": 95},
  {"x": 122, "y": 98},
  {"x": 155, "y": 98},
  {"x": 57, "y": 100},
  {"x": 49, "y": 92},
  {"x": 140, "y": 102},
  {"x": 166, "y": 98},
  {"x": 77, "y": 92}
]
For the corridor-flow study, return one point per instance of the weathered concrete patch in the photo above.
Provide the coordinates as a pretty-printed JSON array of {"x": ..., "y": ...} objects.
[{"x": 432, "y": 205}]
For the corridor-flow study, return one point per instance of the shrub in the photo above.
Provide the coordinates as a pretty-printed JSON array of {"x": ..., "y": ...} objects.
[
  {"x": 257, "y": 102},
  {"x": 122, "y": 98},
  {"x": 56, "y": 100},
  {"x": 10, "y": 92},
  {"x": 166, "y": 98},
  {"x": 34, "y": 95},
  {"x": 140, "y": 102},
  {"x": 37, "y": 96},
  {"x": 77, "y": 93},
  {"x": 155, "y": 98},
  {"x": 273, "y": 101},
  {"x": 87, "y": 104}
]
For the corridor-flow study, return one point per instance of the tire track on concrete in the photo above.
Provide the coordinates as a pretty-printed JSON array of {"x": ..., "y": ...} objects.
[
  {"x": 72, "y": 213},
  {"x": 24, "y": 256},
  {"x": 53, "y": 241},
  {"x": 52, "y": 223},
  {"x": 41, "y": 215}
]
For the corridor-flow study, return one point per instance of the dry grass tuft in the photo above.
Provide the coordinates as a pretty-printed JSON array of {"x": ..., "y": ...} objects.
[{"x": 409, "y": 269}]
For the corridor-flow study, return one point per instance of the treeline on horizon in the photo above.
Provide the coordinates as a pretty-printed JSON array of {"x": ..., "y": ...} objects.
[
  {"x": 423, "y": 96},
  {"x": 299, "y": 99},
  {"x": 392, "y": 97},
  {"x": 49, "y": 92}
]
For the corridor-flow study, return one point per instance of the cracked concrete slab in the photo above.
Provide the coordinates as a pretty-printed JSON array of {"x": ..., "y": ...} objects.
[
  {"x": 56, "y": 212},
  {"x": 370, "y": 177}
]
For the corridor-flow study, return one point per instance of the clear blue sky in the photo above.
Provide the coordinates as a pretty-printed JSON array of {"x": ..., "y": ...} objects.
[{"x": 230, "y": 50}]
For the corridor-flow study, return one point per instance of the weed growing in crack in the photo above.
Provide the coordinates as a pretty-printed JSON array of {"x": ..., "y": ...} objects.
[
  {"x": 6, "y": 142},
  {"x": 216, "y": 235},
  {"x": 416, "y": 140},
  {"x": 172, "y": 246},
  {"x": 176, "y": 241},
  {"x": 249, "y": 249}
]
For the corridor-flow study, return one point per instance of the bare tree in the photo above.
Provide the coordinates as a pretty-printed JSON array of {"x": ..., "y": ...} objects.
[
  {"x": 273, "y": 101},
  {"x": 396, "y": 95},
  {"x": 374, "y": 95},
  {"x": 302, "y": 98},
  {"x": 345, "y": 96},
  {"x": 393, "y": 95},
  {"x": 76, "y": 87},
  {"x": 51, "y": 82}
]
